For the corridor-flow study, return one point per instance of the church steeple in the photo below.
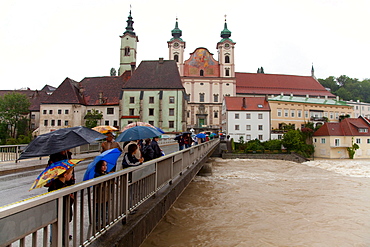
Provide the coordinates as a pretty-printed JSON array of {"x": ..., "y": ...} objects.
[
  {"x": 130, "y": 23},
  {"x": 176, "y": 32},
  {"x": 225, "y": 34},
  {"x": 313, "y": 72}
]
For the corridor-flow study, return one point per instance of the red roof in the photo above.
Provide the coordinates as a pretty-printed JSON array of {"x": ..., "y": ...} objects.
[
  {"x": 259, "y": 83},
  {"x": 347, "y": 127},
  {"x": 246, "y": 104}
]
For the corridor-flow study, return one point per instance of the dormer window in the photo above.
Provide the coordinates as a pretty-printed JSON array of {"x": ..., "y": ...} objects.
[{"x": 362, "y": 130}]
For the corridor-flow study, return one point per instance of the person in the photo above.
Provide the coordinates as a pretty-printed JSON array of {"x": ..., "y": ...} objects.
[
  {"x": 61, "y": 182},
  {"x": 156, "y": 148},
  {"x": 188, "y": 140},
  {"x": 62, "y": 155},
  {"x": 108, "y": 144},
  {"x": 147, "y": 151},
  {"x": 181, "y": 142},
  {"x": 138, "y": 154},
  {"x": 129, "y": 158},
  {"x": 100, "y": 168}
]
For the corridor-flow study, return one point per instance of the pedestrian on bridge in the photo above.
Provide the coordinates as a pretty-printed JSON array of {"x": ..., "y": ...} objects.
[{"x": 129, "y": 159}]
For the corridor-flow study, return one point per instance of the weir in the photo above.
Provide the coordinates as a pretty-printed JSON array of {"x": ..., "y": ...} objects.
[{"x": 118, "y": 209}]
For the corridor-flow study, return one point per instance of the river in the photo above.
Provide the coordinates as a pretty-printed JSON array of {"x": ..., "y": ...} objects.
[{"x": 271, "y": 203}]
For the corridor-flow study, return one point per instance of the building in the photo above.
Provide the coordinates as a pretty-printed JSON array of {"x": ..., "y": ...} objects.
[
  {"x": 71, "y": 101},
  {"x": 246, "y": 118},
  {"x": 154, "y": 94},
  {"x": 332, "y": 139},
  {"x": 205, "y": 79},
  {"x": 359, "y": 108}
]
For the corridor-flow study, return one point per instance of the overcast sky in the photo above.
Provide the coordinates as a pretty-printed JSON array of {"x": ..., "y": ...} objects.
[{"x": 44, "y": 41}]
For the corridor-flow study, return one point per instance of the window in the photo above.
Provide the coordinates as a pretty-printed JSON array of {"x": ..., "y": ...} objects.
[
  {"x": 248, "y": 127},
  {"x": 201, "y": 97},
  {"x": 59, "y": 111},
  {"x": 66, "y": 111},
  {"x": 52, "y": 122},
  {"x": 279, "y": 112},
  {"x": 106, "y": 122},
  {"x": 248, "y": 137},
  {"x": 151, "y": 122},
  {"x": 171, "y": 112},
  {"x": 315, "y": 140},
  {"x": 171, "y": 124},
  {"x": 260, "y": 106},
  {"x": 110, "y": 111},
  {"x": 66, "y": 123},
  {"x": 227, "y": 72},
  {"x": 292, "y": 113},
  {"x": 215, "y": 98},
  {"x": 151, "y": 100},
  {"x": 33, "y": 116},
  {"x": 248, "y": 116},
  {"x": 358, "y": 140},
  {"x": 176, "y": 58},
  {"x": 115, "y": 123},
  {"x": 172, "y": 99},
  {"x": 237, "y": 127},
  {"x": 260, "y": 137},
  {"x": 299, "y": 113},
  {"x": 215, "y": 114},
  {"x": 151, "y": 111},
  {"x": 227, "y": 59},
  {"x": 306, "y": 114},
  {"x": 132, "y": 100},
  {"x": 59, "y": 122},
  {"x": 260, "y": 116},
  {"x": 336, "y": 142},
  {"x": 280, "y": 137},
  {"x": 44, "y": 112},
  {"x": 286, "y": 112},
  {"x": 322, "y": 140},
  {"x": 236, "y": 116},
  {"x": 50, "y": 111},
  {"x": 45, "y": 122},
  {"x": 362, "y": 130},
  {"x": 201, "y": 72},
  {"x": 368, "y": 141},
  {"x": 127, "y": 51},
  {"x": 131, "y": 111},
  {"x": 260, "y": 127}
]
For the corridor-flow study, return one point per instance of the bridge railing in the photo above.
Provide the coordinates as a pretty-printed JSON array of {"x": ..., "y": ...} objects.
[{"x": 88, "y": 209}]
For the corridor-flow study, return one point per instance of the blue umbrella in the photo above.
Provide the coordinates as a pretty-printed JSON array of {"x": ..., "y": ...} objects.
[
  {"x": 201, "y": 135},
  {"x": 110, "y": 156},
  {"x": 159, "y": 129},
  {"x": 138, "y": 133}
]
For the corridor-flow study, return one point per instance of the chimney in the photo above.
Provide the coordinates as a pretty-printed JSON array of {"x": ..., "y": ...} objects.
[
  {"x": 244, "y": 103},
  {"x": 100, "y": 97},
  {"x": 337, "y": 98},
  {"x": 307, "y": 96},
  {"x": 326, "y": 97},
  {"x": 161, "y": 60}
]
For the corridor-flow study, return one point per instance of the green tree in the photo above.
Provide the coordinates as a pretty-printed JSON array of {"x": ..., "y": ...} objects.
[
  {"x": 254, "y": 145},
  {"x": 292, "y": 140},
  {"x": 92, "y": 118},
  {"x": 330, "y": 82},
  {"x": 14, "y": 109},
  {"x": 272, "y": 145},
  {"x": 352, "y": 150},
  {"x": 113, "y": 72}
]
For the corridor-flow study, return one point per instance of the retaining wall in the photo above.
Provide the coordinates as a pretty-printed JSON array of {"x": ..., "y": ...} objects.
[{"x": 290, "y": 157}]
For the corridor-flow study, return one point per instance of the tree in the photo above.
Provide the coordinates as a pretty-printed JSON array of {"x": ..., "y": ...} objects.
[
  {"x": 92, "y": 118},
  {"x": 292, "y": 140},
  {"x": 352, "y": 150},
  {"x": 113, "y": 72},
  {"x": 14, "y": 109}
]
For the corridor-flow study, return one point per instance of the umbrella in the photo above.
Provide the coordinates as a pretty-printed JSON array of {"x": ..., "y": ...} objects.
[
  {"x": 104, "y": 129},
  {"x": 201, "y": 135},
  {"x": 212, "y": 134},
  {"x": 177, "y": 137},
  {"x": 53, "y": 171},
  {"x": 137, "y": 133},
  {"x": 59, "y": 140},
  {"x": 141, "y": 124},
  {"x": 110, "y": 156}
]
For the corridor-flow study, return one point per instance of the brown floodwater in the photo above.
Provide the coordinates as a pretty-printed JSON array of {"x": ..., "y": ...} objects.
[{"x": 269, "y": 203}]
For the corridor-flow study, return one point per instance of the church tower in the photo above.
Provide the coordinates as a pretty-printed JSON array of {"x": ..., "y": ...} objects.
[
  {"x": 225, "y": 50},
  {"x": 128, "y": 47},
  {"x": 176, "y": 47}
]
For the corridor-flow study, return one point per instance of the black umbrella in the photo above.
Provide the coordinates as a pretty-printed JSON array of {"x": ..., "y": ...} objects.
[{"x": 59, "y": 140}]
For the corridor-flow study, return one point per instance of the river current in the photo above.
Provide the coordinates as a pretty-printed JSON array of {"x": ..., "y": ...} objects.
[{"x": 249, "y": 202}]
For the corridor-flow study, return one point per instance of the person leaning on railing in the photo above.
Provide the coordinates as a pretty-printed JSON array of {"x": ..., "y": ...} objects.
[{"x": 129, "y": 158}]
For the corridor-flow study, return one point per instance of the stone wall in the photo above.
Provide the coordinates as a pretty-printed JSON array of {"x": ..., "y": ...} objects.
[{"x": 290, "y": 157}]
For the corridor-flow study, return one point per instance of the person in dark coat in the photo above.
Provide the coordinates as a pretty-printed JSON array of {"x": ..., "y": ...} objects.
[
  {"x": 147, "y": 151},
  {"x": 129, "y": 158},
  {"x": 156, "y": 148}
]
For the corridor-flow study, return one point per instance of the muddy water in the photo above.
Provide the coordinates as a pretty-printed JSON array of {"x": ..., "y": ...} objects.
[{"x": 270, "y": 203}]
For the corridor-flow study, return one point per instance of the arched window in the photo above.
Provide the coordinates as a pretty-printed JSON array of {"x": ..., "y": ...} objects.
[
  {"x": 176, "y": 58},
  {"x": 227, "y": 72},
  {"x": 127, "y": 51},
  {"x": 227, "y": 59},
  {"x": 201, "y": 72}
]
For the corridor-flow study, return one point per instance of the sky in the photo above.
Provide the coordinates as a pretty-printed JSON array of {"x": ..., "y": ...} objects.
[{"x": 43, "y": 41}]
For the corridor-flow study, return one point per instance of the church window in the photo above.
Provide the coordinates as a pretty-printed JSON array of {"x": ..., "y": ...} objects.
[
  {"x": 215, "y": 114},
  {"x": 201, "y": 72},
  {"x": 127, "y": 51},
  {"x": 227, "y": 72},
  {"x": 176, "y": 58},
  {"x": 227, "y": 59}
]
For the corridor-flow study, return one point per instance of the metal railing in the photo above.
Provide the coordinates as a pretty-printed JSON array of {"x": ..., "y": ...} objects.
[
  {"x": 97, "y": 204},
  {"x": 11, "y": 152}
]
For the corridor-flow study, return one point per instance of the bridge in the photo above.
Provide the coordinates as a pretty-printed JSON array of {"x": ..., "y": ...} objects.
[{"x": 118, "y": 209}]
